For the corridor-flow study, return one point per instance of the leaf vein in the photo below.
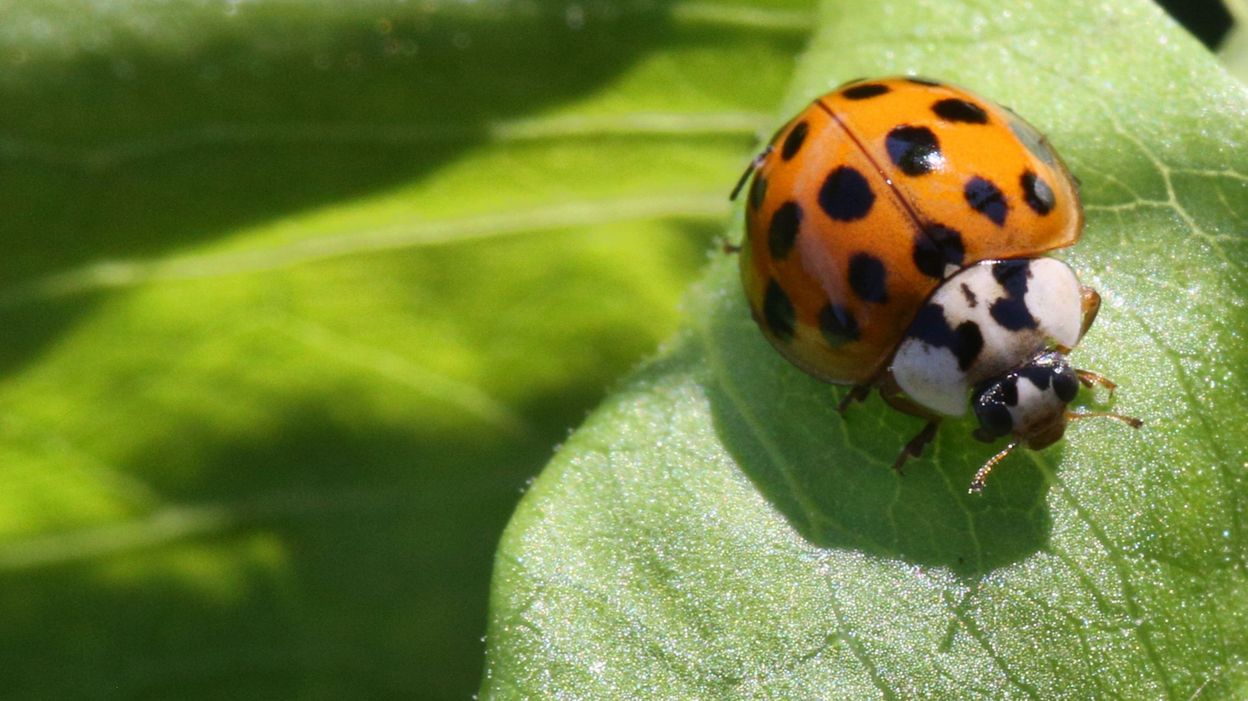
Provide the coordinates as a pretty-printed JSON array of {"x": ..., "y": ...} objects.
[
  {"x": 122, "y": 274},
  {"x": 1140, "y": 628},
  {"x": 94, "y": 159},
  {"x": 402, "y": 371},
  {"x": 959, "y": 612}
]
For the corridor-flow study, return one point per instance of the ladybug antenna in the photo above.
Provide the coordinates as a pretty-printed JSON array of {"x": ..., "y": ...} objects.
[
  {"x": 977, "y": 483},
  {"x": 749, "y": 170},
  {"x": 1128, "y": 420}
]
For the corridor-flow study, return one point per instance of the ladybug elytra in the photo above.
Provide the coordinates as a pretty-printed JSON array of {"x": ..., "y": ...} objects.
[{"x": 894, "y": 238}]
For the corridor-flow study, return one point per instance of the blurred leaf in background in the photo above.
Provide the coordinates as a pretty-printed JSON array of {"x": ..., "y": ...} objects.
[
  {"x": 296, "y": 296},
  {"x": 717, "y": 530}
]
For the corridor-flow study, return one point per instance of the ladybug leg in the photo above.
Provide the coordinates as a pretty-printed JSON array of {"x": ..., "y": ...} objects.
[
  {"x": 916, "y": 445},
  {"x": 1090, "y": 379},
  {"x": 857, "y": 393},
  {"x": 894, "y": 397},
  {"x": 729, "y": 247},
  {"x": 749, "y": 170},
  {"x": 1090, "y": 300}
]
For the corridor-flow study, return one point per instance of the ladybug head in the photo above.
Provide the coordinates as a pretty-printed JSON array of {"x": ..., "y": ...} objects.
[{"x": 1028, "y": 402}]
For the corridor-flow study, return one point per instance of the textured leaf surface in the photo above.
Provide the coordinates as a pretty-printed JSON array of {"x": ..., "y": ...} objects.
[
  {"x": 715, "y": 530},
  {"x": 296, "y": 296}
]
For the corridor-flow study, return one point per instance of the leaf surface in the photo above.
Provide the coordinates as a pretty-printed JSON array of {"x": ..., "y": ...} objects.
[{"x": 716, "y": 530}]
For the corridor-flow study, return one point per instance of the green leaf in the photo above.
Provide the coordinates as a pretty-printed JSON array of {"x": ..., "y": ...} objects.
[
  {"x": 716, "y": 530},
  {"x": 297, "y": 296}
]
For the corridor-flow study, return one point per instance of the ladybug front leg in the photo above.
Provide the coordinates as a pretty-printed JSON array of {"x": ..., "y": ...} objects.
[
  {"x": 1089, "y": 379},
  {"x": 1090, "y": 300}
]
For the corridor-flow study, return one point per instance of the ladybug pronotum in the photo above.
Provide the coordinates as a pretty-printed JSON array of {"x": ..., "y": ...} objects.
[{"x": 894, "y": 232}]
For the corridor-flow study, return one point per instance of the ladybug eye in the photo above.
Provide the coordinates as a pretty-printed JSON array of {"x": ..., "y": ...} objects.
[
  {"x": 1066, "y": 385},
  {"x": 993, "y": 417}
]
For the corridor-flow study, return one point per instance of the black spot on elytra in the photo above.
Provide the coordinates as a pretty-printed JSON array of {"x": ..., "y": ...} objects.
[
  {"x": 936, "y": 247},
  {"x": 923, "y": 81},
  {"x": 863, "y": 92},
  {"x": 837, "y": 325},
  {"x": 866, "y": 278},
  {"x": 956, "y": 110},
  {"x": 1037, "y": 193},
  {"x": 846, "y": 195},
  {"x": 931, "y": 327},
  {"x": 915, "y": 150},
  {"x": 778, "y": 311},
  {"x": 758, "y": 191},
  {"x": 1011, "y": 311},
  {"x": 972, "y": 301},
  {"x": 783, "y": 230},
  {"x": 1066, "y": 386},
  {"x": 986, "y": 198},
  {"x": 793, "y": 142}
]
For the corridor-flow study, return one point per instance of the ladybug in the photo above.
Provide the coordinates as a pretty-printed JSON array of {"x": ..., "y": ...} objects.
[{"x": 894, "y": 238}]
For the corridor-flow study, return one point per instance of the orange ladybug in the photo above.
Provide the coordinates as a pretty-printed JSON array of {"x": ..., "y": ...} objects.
[{"x": 894, "y": 232}]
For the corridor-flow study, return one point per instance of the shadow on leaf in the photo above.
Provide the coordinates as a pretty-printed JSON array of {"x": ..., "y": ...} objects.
[{"x": 830, "y": 475}]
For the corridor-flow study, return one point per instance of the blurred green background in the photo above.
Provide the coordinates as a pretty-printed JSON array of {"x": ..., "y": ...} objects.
[{"x": 296, "y": 296}]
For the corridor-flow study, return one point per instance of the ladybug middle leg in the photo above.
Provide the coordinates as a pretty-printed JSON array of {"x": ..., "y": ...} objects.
[
  {"x": 894, "y": 397},
  {"x": 729, "y": 247},
  {"x": 916, "y": 446}
]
